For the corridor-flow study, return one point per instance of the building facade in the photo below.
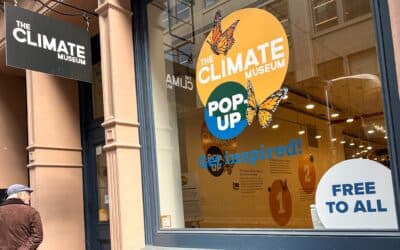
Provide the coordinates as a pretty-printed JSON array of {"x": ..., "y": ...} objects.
[{"x": 133, "y": 160}]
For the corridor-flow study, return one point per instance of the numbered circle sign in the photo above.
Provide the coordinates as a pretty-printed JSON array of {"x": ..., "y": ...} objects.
[
  {"x": 357, "y": 194},
  {"x": 280, "y": 202},
  {"x": 306, "y": 172}
]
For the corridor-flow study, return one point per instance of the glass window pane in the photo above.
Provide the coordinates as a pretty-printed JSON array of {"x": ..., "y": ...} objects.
[
  {"x": 208, "y": 3},
  {"x": 280, "y": 10},
  {"x": 102, "y": 184},
  {"x": 267, "y": 175},
  {"x": 364, "y": 61},
  {"x": 97, "y": 93},
  {"x": 325, "y": 14},
  {"x": 182, "y": 10},
  {"x": 356, "y": 8},
  {"x": 179, "y": 12}
]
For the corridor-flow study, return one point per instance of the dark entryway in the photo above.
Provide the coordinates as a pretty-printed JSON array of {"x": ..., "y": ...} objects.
[
  {"x": 3, "y": 195},
  {"x": 94, "y": 158}
]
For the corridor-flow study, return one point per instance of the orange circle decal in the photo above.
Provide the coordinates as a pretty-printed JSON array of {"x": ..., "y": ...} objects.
[
  {"x": 247, "y": 45},
  {"x": 280, "y": 202},
  {"x": 306, "y": 171}
]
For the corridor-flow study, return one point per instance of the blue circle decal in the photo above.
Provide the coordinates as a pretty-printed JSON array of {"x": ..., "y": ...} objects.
[{"x": 225, "y": 111}]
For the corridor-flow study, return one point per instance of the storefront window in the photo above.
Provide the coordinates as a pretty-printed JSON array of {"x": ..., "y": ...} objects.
[{"x": 308, "y": 104}]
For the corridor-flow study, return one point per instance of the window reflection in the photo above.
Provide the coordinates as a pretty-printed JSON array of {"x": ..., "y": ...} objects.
[
  {"x": 356, "y": 8},
  {"x": 329, "y": 13},
  {"x": 208, "y": 3},
  {"x": 97, "y": 93},
  {"x": 325, "y": 14}
]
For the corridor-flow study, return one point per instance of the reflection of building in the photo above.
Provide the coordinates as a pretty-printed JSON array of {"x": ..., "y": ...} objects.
[
  {"x": 88, "y": 163},
  {"x": 319, "y": 52}
]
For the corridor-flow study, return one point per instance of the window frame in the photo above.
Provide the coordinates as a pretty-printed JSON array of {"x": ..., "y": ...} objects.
[
  {"x": 338, "y": 13},
  {"x": 260, "y": 239}
]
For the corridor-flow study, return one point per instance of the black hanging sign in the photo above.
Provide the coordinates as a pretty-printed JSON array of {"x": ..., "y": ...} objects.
[{"x": 41, "y": 43}]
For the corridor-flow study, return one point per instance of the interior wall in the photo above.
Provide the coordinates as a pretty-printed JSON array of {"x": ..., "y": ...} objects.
[
  {"x": 13, "y": 131},
  {"x": 223, "y": 206}
]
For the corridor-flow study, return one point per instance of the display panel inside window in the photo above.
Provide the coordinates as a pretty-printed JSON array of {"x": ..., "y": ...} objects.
[{"x": 260, "y": 125}]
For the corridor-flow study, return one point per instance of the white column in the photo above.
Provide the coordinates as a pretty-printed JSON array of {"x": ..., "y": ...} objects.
[
  {"x": 121, "y": 125},
  {"x": 165, "y": 116},
  {"x": 55, "y": 162}
]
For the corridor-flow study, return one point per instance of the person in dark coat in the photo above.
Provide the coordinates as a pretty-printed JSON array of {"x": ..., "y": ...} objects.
[{"x": 20, "y": 224}]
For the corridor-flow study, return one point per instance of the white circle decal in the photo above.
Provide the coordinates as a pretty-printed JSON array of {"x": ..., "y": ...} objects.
[{"x": 356, "y": 194}]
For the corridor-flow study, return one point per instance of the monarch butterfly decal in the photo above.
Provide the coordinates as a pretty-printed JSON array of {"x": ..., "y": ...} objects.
[
  {"x": 221, "y": 42},
  {"x": 265, "y": 109}
]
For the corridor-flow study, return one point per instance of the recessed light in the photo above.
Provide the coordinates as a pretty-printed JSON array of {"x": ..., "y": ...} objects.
[
  {"x": 369, "y": 147},
  {"x": 352, "y": 144},
  {"x": 318, "y": 137},
  {"x": 335, "y": 114},
  {"x": 310, "y": 106},
  {"x": 375, "y": 159},
  {"x": 275, "y": 126},
  {"x": 301, "y": 132},
  {"x": 371, "y": 131},
  {"x": 361, "y": 146},
  {"x": 350, "y": 120},
  {"x": 358, "y": 153},
  {"x": 385, "y": 137},
  {"x": 333, "y": 139},
  {"x": 285, "y": 97},
  {"x": 353, "y": 156},
  {"x": 342, "y": 142}
]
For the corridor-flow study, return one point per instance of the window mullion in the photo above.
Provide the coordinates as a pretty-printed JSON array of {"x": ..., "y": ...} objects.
[{"x": 340, "y": 11}]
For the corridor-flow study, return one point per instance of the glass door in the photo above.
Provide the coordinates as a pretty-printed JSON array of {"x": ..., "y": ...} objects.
[
  {"x": 102, "y": 185},
  {"x": 96, "y": 193}
]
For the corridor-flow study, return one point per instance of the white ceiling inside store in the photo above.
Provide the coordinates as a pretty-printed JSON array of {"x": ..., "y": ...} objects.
[{"x": 357, "y": 96}]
